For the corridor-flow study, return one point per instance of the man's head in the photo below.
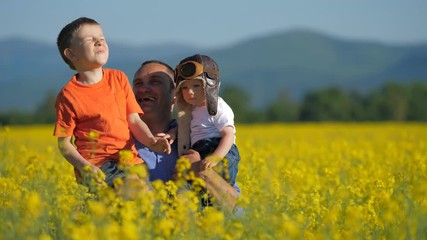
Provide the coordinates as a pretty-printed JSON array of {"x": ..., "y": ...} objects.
[
  {"x": 204, "y": 68},
  {"x": 153, "y": 86},
  {"x": 82, "y": 42}
]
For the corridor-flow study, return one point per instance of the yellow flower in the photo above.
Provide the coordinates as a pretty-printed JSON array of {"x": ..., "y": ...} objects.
[
  {"x": 182, "y": 167},
  {"x": 97, "y": 209},
  {"x": 165, "y": 227},
  {"x": 93, "y": 135},
  {"x": 34, "y": 205},
  {"x": 305, "y": 181},
  {"x": 140, "y": 170},
  {"x": 290, "y": 230},
  {"x": 126, "y": 158}
]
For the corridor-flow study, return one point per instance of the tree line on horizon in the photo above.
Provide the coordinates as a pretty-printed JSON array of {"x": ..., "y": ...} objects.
[{"x": 392, "y": 102}]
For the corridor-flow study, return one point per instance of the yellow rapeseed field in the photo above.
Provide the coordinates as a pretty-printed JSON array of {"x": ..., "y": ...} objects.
[{"x": 298, "y": 181}]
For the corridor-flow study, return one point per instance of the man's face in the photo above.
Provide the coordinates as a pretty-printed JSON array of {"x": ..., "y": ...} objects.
[{"x": 152, "y": 88}]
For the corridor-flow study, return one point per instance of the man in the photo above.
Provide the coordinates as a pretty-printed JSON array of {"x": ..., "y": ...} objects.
[{"x": 153, "y": 87}]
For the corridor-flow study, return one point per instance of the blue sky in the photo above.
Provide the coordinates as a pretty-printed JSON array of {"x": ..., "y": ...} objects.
[{"x": 218, "y": 23}]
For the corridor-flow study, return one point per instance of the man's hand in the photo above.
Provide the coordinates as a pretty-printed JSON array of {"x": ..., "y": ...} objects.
[
  {"x": 160, "y": 145},
  {"x": 192, "y": 155}
]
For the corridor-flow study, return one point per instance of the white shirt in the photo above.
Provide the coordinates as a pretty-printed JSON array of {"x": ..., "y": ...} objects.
[{"x": 205, "y": 126}]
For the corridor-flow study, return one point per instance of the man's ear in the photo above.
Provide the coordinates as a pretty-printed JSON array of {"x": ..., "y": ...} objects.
[{"x": 68, "y": 53}]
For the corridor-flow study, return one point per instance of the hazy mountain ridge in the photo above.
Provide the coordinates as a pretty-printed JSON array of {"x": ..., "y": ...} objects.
[{"x": 297, "y": 61}]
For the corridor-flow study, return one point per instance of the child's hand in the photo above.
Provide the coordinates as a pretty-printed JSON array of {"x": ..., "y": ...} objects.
[
  {"x": 170, "y": 135},
  {"x": 93, "y": 175},
  {"x": 161, "y": 145},
  {"x": 209, "y": 162}
]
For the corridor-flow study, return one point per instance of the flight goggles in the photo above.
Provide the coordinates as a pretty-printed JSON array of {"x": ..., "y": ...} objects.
[{"x": 190, "y": 70}]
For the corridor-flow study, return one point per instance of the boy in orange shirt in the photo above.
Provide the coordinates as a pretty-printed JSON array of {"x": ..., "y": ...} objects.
[{"x": 97, "y": 106}]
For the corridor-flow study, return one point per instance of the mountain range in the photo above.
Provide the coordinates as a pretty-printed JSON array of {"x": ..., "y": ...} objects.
[{"x": 293, "y": 61}]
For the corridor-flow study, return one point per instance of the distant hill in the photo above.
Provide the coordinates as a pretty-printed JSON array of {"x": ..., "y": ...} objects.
[
  {"x": 295, "y": 61},
  {"x": 300, "y": 61}
]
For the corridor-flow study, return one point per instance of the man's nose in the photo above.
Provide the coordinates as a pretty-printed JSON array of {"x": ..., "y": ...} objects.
[
  {"x": 145, "y": 88},
  {"x": 139, "y": 88}
]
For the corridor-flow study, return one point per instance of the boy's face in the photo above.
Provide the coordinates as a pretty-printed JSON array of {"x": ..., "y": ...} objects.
[
  {"x": 88, "y": 48},
  {"x": 193, "y": 92}
]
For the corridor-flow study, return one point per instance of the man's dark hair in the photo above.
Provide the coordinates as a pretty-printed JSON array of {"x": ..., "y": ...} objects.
[{"x": 170, "y": 69}]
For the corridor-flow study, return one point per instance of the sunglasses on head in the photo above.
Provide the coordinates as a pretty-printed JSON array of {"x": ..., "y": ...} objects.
[{"x": 190, "y": 70}]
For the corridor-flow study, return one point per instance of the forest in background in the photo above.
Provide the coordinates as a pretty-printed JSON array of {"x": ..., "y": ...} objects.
[{"x": 392, "y": 102}]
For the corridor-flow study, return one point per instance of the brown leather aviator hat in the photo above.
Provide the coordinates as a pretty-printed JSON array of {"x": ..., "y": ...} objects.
[
  {"x": 195, "y": 67},
  {"x": 206, "y": 69}
]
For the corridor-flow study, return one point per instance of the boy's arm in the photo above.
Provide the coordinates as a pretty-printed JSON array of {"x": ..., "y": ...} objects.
[
  {"x": 227, "y": 140},
  {"x": 143, "y": 134},
  {"x": 70, "y": 153}
]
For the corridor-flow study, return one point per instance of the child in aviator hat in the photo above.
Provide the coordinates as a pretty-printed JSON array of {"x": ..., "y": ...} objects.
[{"x": 205, "y": 120}]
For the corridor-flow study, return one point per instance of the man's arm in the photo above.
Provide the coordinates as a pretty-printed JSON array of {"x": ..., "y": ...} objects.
[
  {"x": 143, "y": 134},
  {"x": 225, "y": 195}
]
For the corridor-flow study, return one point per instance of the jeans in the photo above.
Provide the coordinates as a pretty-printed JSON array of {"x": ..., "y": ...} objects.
[
  {"x": 111, "y": 172},
  {"x": 208, "y": 146}
]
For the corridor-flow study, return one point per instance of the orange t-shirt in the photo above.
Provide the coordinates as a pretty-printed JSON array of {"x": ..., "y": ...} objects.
[{"x": 97, "y": 117}]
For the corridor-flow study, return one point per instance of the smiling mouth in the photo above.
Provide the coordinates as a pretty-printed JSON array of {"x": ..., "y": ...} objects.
[{"x": 146, "y": 99}]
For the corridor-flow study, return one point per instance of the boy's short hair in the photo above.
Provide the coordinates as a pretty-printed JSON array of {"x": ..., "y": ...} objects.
[{"x": 64, "y": 38}]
